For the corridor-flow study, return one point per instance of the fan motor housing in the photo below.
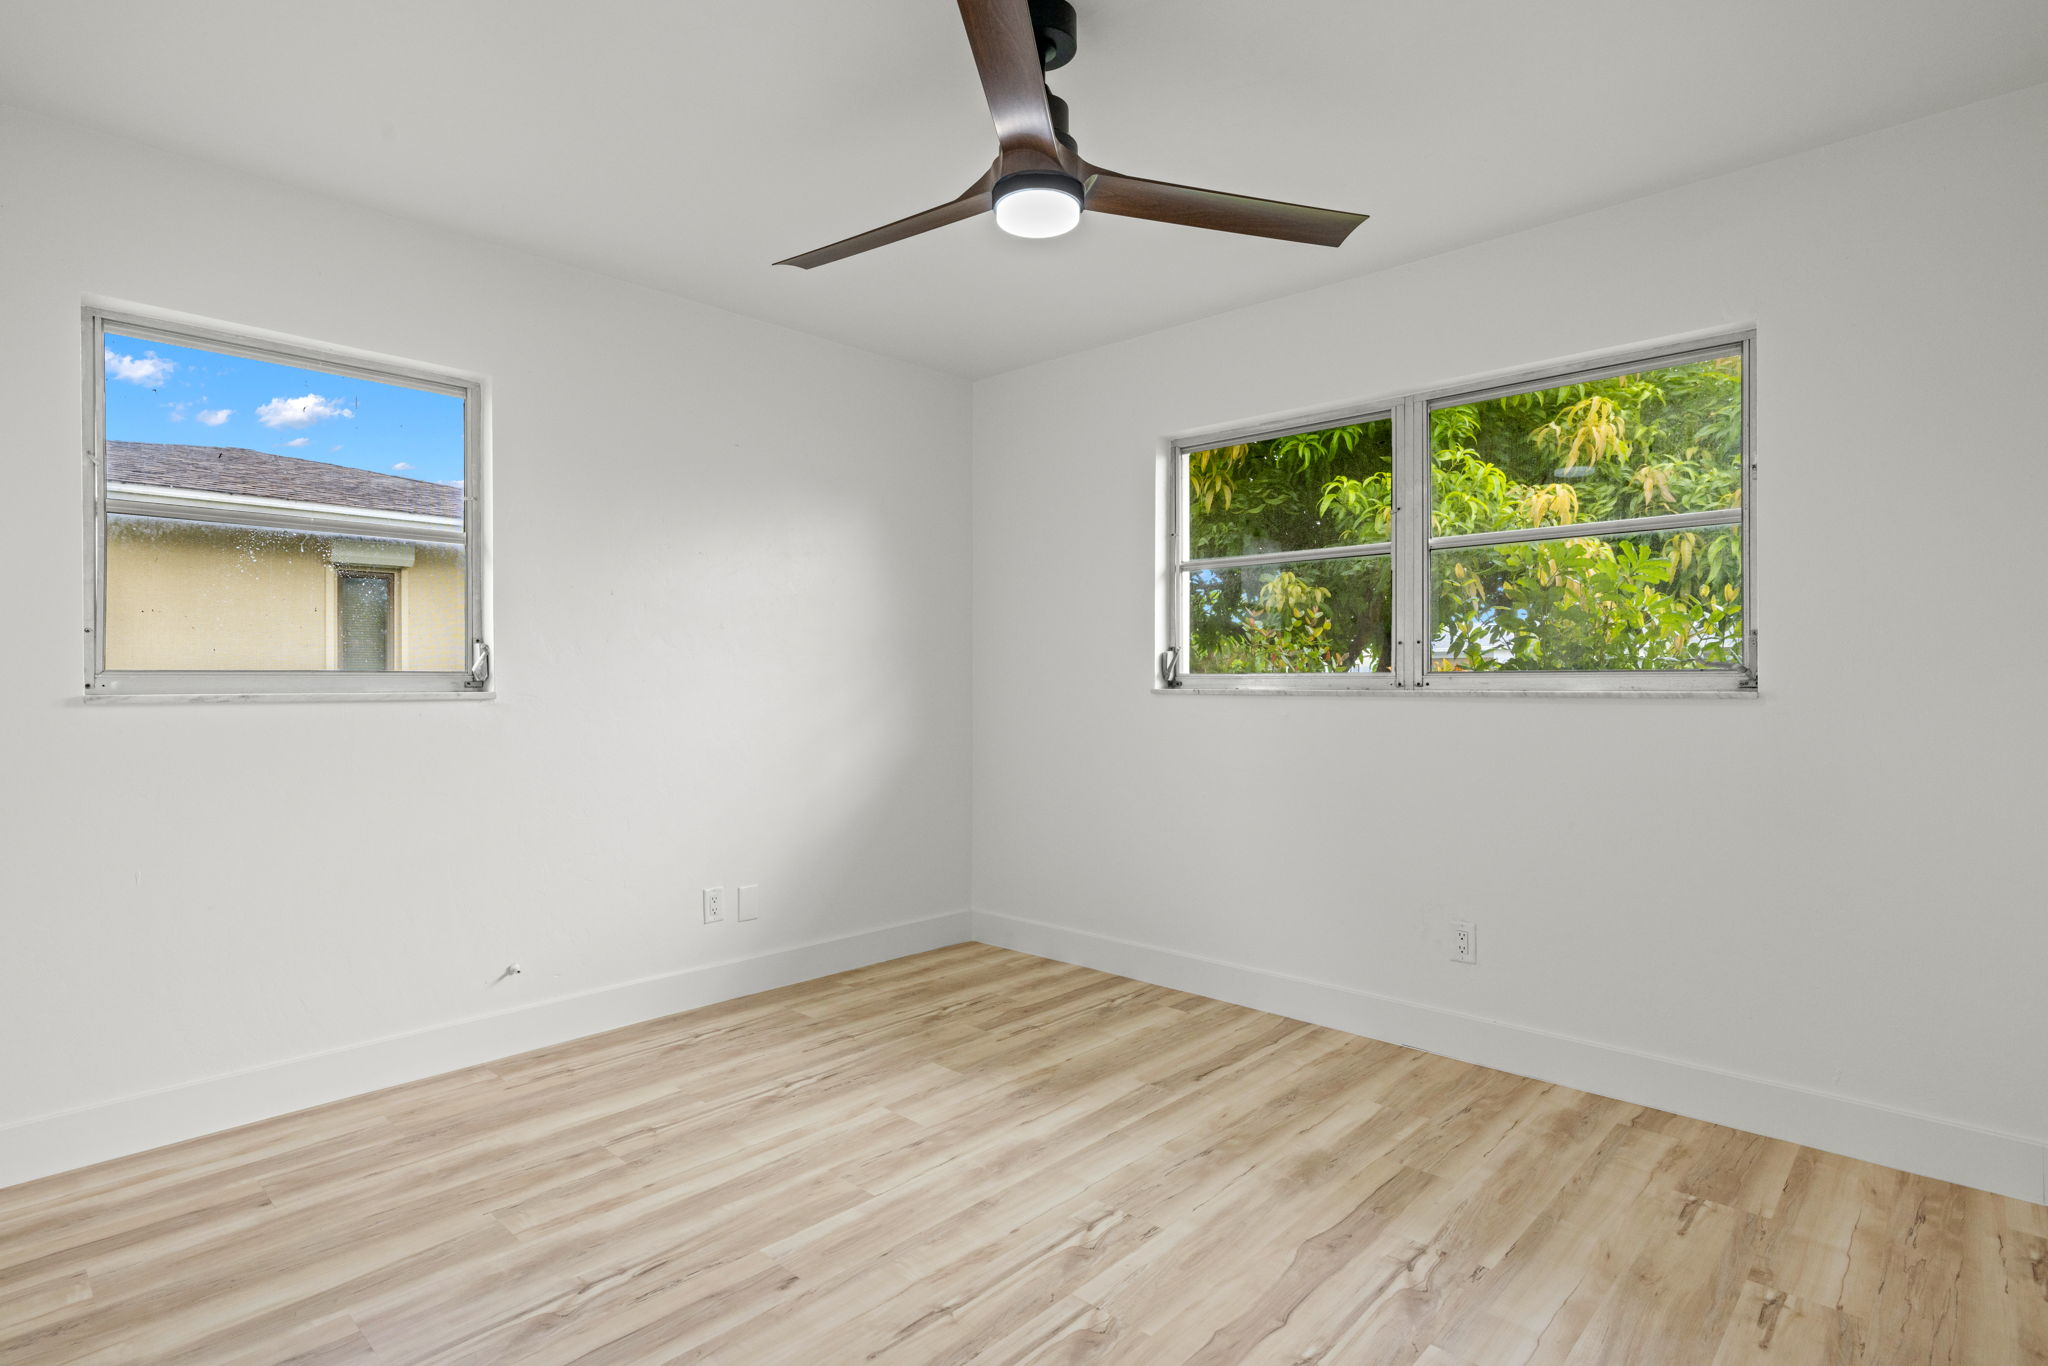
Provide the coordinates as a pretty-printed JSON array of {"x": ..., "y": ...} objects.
[
  {"x": 1038, "y": 180},
  {"x": 1053, "y": 22}
]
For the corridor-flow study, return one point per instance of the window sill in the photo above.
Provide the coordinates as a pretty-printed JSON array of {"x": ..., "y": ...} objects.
[
  {"x": 1727, "y": 690},
  {"x": 138, "y": 698}
]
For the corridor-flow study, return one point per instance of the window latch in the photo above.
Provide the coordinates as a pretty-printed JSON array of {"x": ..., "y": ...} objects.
[
  {"x": 1169, "y": 667},
  {"x": 479, "y": 665}
]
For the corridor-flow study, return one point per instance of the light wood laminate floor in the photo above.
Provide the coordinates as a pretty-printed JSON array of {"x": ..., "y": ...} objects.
[{"x": 975, "y": 1155}]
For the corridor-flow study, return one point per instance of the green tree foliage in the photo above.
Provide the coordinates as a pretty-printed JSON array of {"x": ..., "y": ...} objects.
[
  {"x": 1320, "y": 616},
  {"x": 1316, "y": 617},
  {"x": 1641, "y": 445},
  {"x": 1268, "y": 495}
]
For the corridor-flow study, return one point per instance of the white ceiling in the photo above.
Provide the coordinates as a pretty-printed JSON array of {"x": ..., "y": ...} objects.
[{"x": 687, "y": 144}]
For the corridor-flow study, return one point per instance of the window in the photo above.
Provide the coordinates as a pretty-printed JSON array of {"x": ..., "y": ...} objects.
[
  {"x": 1577, "y": 531},
  {"x": 272, "y": 521},
  {"x": 363, "y": 620}
]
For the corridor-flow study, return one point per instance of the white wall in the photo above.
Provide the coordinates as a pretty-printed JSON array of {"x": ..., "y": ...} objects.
[
  {"x": 733, "y": 579},
  {"x": 1833, "y": 893},
  {"x": 732, "y": 587}
]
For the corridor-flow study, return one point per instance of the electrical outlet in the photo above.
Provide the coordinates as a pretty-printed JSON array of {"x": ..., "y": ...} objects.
[
  {"x": 714, "y": 905},
  {"x": 1464, "y": 942},
  {"x": 746, "y": 903}
]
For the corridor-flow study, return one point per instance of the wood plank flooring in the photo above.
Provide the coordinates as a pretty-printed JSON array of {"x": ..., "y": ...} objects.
[{"x": 973, "y": 1155}]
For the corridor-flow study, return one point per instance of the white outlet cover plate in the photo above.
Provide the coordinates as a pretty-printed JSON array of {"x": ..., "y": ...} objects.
[{"x": 1464, "y": 941}]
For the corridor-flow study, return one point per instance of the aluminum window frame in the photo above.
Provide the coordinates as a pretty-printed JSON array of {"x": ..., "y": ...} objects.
[
  {"x": 1412, "y": 543},
  {"x": 218, "y": 685}
]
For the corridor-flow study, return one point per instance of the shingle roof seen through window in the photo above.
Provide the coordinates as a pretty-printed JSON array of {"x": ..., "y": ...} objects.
[{"x": 259, "y": 474}]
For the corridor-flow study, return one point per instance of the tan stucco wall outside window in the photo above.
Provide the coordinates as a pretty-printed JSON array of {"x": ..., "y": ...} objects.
[{"x": 188, "y": 595}]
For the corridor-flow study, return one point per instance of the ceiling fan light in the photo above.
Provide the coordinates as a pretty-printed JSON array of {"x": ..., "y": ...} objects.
[{"x": 1038, "y": 204}]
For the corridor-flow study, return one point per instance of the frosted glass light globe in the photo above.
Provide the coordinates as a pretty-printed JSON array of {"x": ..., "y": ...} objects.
[{"x": 1038, "y": 211}]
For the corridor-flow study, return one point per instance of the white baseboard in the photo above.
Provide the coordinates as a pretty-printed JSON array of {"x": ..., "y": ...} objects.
[
  {"x": 60, "y": 1142},
  {"x": 2007, "y": 1164}
]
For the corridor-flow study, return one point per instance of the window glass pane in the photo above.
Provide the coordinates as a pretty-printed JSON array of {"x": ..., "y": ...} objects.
[
  {"x": 1302, "y": 492},
  {"x": 1672, "y": 600},
  {"x": 191, "y": 595},
  {"x": 270, "y": 516},
  {"x": 363, "y": 617},
  {"x": 1312, "y": 616},
  {"x": 1642, "y": 445}
]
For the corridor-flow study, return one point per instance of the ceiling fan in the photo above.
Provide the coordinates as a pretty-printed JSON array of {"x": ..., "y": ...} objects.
[{"x": 1039, "y": 183}]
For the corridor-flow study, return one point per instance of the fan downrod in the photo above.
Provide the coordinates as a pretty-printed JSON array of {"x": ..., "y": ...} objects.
[
  {"x": 1053, "y": 22},
  {"x": 1057, "y": 107}
]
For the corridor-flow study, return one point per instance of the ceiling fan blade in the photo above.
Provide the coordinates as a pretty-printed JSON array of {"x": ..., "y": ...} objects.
[
  {"x": 1131, "y": 197},
  {"x": 974, "y": 201},
  {"x": 1006, "y": 54}
]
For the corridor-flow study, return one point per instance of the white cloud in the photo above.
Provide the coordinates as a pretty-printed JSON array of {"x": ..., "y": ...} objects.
[
  {"x": 332, "y": 449},
  {"x": 215, "y": 416},
  {"x": 401, "y": 465},
  {"x": 146, "y": 369},
  {"x": 298, "y": 441},
  {"x": 303, "y": 411}
]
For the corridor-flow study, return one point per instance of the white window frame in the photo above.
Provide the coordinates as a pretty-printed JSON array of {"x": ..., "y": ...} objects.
[
  {"x": 219, "y": 685},
  {"x": 1411, "y": 542}
]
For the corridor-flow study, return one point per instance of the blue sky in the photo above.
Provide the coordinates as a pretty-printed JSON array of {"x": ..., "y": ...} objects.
[{"x": 194, "y": 397}]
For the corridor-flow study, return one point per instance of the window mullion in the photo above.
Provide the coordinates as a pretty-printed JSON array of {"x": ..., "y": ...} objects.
[
  {"x": 1181, "y": 531},
  {"x": 1411, "y": 542}
]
